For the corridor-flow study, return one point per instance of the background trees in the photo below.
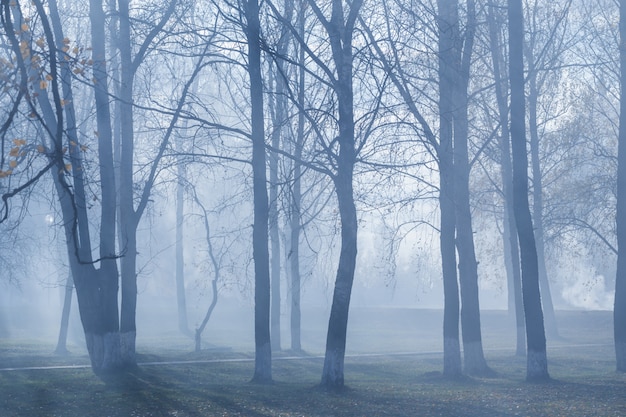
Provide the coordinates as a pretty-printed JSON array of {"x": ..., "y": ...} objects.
[{"x": 367, "y": 117}]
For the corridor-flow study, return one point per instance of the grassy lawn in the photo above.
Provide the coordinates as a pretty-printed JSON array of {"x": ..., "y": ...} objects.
[{"x": 581, "y": 364}]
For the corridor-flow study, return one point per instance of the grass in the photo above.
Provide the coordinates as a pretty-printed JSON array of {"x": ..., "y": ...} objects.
[{"x": 581, "y": 364}]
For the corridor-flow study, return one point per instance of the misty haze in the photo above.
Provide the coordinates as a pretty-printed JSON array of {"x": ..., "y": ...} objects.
[{"x": 312, "y": 208}]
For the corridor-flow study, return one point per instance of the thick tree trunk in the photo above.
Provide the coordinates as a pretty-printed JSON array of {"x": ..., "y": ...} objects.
[
  {"x": 619, "y": 310},
  {"x": 341, "y": 43},
  {"x": 451, "y": 345},
  {"x": 536, "y": 357},
  {"x": 128, "y": 219},
  {"x": 263, "y": 350}
]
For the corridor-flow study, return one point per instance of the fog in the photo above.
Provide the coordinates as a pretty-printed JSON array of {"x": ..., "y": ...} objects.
[{"x": 31, "y": 304}]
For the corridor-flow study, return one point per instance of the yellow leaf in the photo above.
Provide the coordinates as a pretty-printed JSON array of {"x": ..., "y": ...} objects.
[
  {"x": 68, "y": 167},
  {"x": 75, "y": 50},
  {"x": 40, "y": 42},
  {"x": 19, "y": 142},
  {"x": 43, "y": 84},
  {"x": 13, "y": 163},
  {"x": 24, "y": 27},
  {"x": 65, "y": 48},
  {"x": 41, "y": 149},
  {"x": 66, "y": 40},
  {"x": 14, "y": 152},
  {"x": 49, "y": 77}
]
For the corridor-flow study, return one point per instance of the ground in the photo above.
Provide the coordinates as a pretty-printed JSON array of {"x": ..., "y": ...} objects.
[{"x": 581, "y": 364}]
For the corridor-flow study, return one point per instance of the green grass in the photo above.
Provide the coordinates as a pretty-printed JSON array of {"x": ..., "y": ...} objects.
[{"x": 584, "y": 381}]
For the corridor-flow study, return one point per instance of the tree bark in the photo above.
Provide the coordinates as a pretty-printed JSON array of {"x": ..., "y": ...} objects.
[{"x": 536, "y": 357}]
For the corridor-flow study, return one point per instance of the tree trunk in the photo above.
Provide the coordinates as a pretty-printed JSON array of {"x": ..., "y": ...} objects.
[
  {"x": 333, "y": 372},
  {"x": 546, "y": 295},
  {"x": 511, "y": 246},
  {"x": 340, "y": 36},
  {"x": 181, "y": 299},
  {"x": 128, "y": 218},
  {"x": 468, "y": 266},
  {"x": 619, "y": 310},
  {"x": 61, "y": 348},
  {"x": 263, "y": 350},
  {"x": 451, "y": 345},
  {"x": 296, "y": 202},
  {"x": 536, "y": 357}
]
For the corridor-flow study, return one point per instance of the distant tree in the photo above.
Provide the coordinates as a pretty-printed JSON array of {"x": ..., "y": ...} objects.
[{"x": 536, "y": 357}]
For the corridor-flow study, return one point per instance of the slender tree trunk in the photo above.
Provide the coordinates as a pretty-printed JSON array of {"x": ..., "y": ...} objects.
[
  {"x": 511, "y": 246},
  {"x": 61, "y": 348},
  {"x": 263, "y": 350},
  {"x": 536, "y": 357},
  {"x": 451, "y": 345},
  {"x": 468, "y": 266},
  {"x": 544, "y": 284},
  {"x": 181, "y": 299},
  {"x": 214, "y": 281},
  {"x": 296, "y": 202},
  {"x": 619, "y": 310},
  {"x": 273, "y": 217}
]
